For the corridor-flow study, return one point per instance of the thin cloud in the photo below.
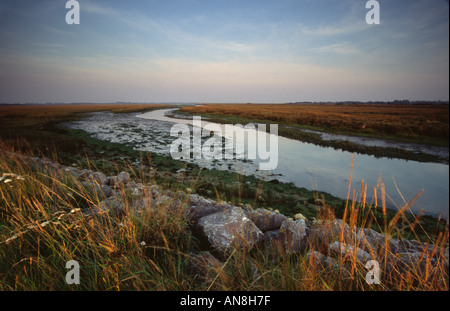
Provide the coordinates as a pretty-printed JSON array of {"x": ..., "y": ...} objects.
[{"x": 338, "y": 48}]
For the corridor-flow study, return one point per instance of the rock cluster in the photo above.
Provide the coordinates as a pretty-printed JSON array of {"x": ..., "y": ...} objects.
[{"x": 225, "y": 228}]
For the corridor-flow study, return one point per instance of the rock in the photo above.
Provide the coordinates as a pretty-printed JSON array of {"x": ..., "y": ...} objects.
[
  {"x": 204, "y": 265},
  {"x": 200, "y": 207},
  {"x": 256, "y": 275},
  {"x": 271, "y": 235},
  {"x": 328, "y": 232},
  {"x": 102, "y": 191},
  {"x": 316, "y": 257},
  {"x": 332, "y": 263},
  {"x": 44, "y": 161},
  {"x": 198, "y": 211},
  {"x": 329, "y": 263},
  {"x": 266, "y": 220},
  {"x": 322, "y": 235},
  {"x": 120, "y": 181},
  {"x": 161, "y": 200},
  {"x": 142, "y": 203},
  {"x": 345, "y": 250},
  {"x": 229, "y": 229},
  {"x": 106, "y": 191},
  {"x": 72, "y": 170},
  {"x": 270, "y": 238},
  {"x": 372, "y": 239},
  {"x": 111, "y": 204},
  {"x": 181, "y": 195},
  {"x": 151, "y": 191},
  {"x": 416, "y": 246},
  {"x": 413, "y": 262},
  {"x": 175, "y": 205},
  {"x": 99, "y": 178},
  {"x": 294, "y": 235},
  {"x": 195, "y": 199}
]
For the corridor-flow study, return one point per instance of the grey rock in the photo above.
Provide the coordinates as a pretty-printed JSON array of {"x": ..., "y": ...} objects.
[
  {"x": 106, "y": 191},
  {"x": 72, "y": 170},
  {"x": 338, "y": 250},
  {"x": 271, "y": 235},
  {"x": 102, "y": 191},
  {"x": 195, "y": 199},
  {"x": 333, "y": 264},
  {"x": 83, "y": 174},
  {"x": 410, "y": 261},
  {"x": 201, "y": 207},
  {"x": 120, "y": 181},
  {"x": 320, "y": 237},
  {"x": 368, "y": 240},
  {"x": 266, "y": 220},
  {"x": 271, "y": 238},
  {"x": 315, "y": 257},
  {"x": 99, "y": 178},
  {"x": 414, "y": 245},
  {"x": 229, "y": 229},
  {"x": 372, "y": 240},
  {"x": 294, "y": 235},
  {"x": 320, "y": 260},
  {"x": 204, "y": 265},
  {"x": 142, "y": 203}
]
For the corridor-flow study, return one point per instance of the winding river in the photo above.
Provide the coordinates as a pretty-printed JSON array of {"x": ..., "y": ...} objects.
[{"x": 306, "y": 165}]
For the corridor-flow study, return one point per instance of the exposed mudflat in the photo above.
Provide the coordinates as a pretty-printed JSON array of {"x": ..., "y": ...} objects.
[{"x": 154, "y": 136}]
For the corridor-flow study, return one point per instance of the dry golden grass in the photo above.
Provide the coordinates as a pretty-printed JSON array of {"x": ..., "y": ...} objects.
[{"x": 28, "y": 114}]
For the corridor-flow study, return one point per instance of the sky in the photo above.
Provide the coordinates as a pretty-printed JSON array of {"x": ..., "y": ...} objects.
[{"x": 223, "y": 51}]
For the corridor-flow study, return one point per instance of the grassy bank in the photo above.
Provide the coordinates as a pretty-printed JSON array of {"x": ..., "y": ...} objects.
[{"x": 42, "y": 227}]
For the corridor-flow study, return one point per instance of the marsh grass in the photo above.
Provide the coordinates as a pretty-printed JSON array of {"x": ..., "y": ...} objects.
[
  {"x": 43, "y": 226},
  {"x": 424, "y": 122}
]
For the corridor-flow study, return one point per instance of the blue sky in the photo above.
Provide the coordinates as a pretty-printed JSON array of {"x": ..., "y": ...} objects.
[{"x": 223, "y": 51}]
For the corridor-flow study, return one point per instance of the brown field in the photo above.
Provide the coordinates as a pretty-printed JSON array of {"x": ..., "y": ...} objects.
[
  {"x": 410, "y": 121},
  {"x": 23, "y": 115}
]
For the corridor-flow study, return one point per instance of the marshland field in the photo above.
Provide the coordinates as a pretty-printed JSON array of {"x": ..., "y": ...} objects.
[{"x": 113, "y": 248}]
